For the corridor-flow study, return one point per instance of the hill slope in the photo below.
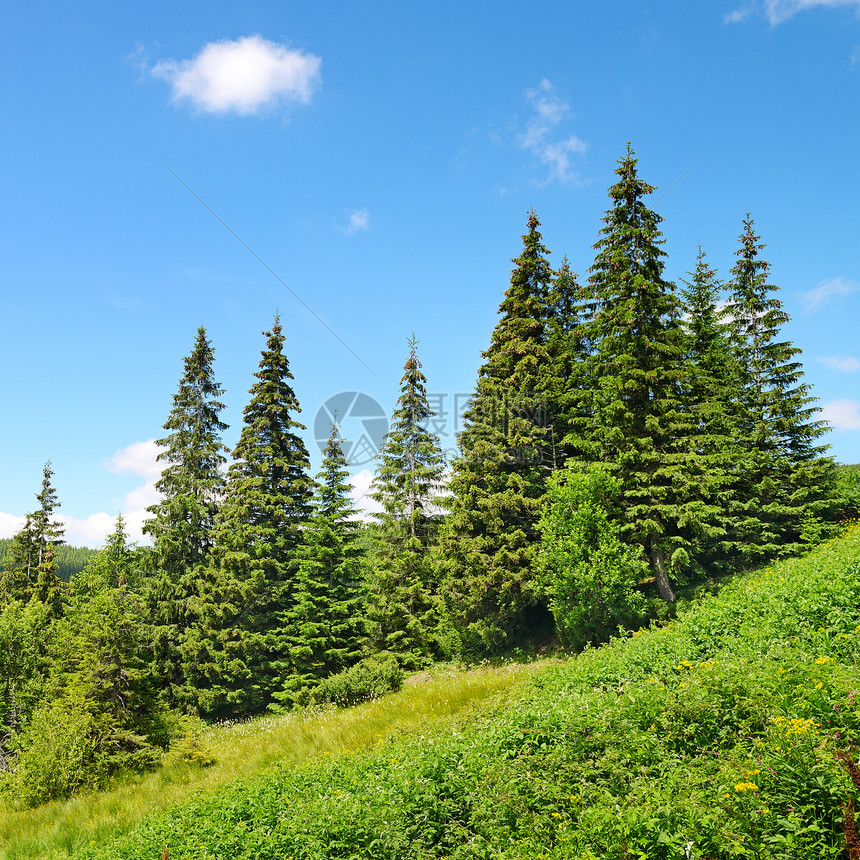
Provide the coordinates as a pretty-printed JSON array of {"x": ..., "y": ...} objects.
[{"x": 729, "y": 733}]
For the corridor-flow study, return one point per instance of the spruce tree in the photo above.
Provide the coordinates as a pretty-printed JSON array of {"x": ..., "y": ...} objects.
[
  {"x": 192, "y": 482},
  {"x": 783, "y": 473},
  {"x": 30, "y": 566},
  {"x": 506, "y": 453},
  {"x": 325, "y": 624},
  {"x": 236, "y": 650},
  {"x": 711, "y": 392},
  {"x": 640, "y": 424},
  {"x": 191, "y": 487},
  {"x": 407, "y": 485},
  {"x": 566, "y": 400}
]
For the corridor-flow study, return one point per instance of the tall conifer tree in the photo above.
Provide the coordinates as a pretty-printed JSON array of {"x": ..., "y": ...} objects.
[
  {"x": 637, "y": 371},
  {"x": 507, "y": 452},
  {"x": 236, "y": 650},
  {"x": 30, "y": 566},
  {"x": 191, "y": 486},
  {"x": 711, "y": 392},
  {"x": 192, "y": 481},
  {"x": 567, "y": 397},
  {"x": 407, "y": 485},
  {"x": 325, "y": 624},
  {"x": 784, "y": 474}
]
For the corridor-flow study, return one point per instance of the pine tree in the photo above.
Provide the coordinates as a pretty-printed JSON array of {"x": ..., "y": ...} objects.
[
  {"x": 30, "y": 567},
  {"x": 407, "y": 485},
  {"x": 191, "y": 487},
  {"x": 325, "y": 625},
  {"x": 192, "y": 482},
  {"x": 783, "y": 473},
  {"x": 710, "y": 390},
  {"x": 506, "y": 453},
  {"x": 566, "y": 400},
  {"x": 637, "y": 372},
  {"x": 236, "y": 651}
]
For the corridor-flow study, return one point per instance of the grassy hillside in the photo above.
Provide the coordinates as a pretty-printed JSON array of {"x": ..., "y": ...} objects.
[{"x": 728, "y": 733}]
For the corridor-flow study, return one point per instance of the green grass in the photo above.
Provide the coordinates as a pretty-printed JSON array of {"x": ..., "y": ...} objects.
[
  {"x": 240, "y": 750},
  {"x": 715, "y": 736}
]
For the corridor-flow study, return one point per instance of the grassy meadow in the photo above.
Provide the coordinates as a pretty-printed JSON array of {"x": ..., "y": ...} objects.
[{"x": 728, "y": 732}]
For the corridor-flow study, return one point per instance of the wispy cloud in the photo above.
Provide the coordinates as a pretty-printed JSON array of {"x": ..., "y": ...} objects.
[
  {"x": 244, "y": 77},
  {"x": 541, "y": 136},
  {"x": 841, "y": 414},
  {"x": 847, "y": 364},
  {"x": 825, "y": 290},
  {"x": 778, "y": 11},
  {"x": 358, "y": 219},
  {"x": 738, "y": 15}
]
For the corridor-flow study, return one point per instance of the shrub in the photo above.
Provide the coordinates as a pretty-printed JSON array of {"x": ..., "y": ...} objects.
[
  {"x": 589, "y": 575},
  {"x": 56, "y": 756},
  {"x": 368, "y": 679}
]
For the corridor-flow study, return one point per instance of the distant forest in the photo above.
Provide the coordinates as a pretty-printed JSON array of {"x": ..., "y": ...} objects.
[
  {"x": 70, "y": 559},
  {"x": 630, "y": 441}
]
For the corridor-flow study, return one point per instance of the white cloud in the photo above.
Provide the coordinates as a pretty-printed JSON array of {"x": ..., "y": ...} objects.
[
  {"x": 359, "y": 219},
  {"x": 139, "y": 458},
  {"x": 243, "y": 77},
  {"x": 841, "y": 414},
  {"x": 89, "y": 531},
  {"x": 847, "y": 364},
  {"x": 362, "y": 486},
  {"x": 540, "y": 137},
  {"x": 778, "y": 11},
  {"x": 10, "y": 525},
  {"x": 825, "y": 290}
]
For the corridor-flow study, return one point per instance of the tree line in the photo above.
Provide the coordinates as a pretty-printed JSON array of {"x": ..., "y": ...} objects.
[{"x": 627, "y": 437}]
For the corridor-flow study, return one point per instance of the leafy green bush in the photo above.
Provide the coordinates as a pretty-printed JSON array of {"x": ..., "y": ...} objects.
[
  {"x": 589, "y": 575},
  {"x": 368, "y": 679},
  {"x": 55, "y": 758}
]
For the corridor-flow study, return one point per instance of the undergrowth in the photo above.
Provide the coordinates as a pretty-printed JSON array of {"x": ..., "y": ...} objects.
[{"x": 728, "y": 732}]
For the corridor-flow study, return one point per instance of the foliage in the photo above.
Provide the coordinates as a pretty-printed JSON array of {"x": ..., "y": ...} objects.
[
  {"x": 713, "y": 736},
  {"x": 70, "y": 560},
  {"x": 588, "y": 573},
  {"x": 100, "y": 714},
  {"x": 24, "y": 638},
  {"x": 368, "y": 679},
  {"x": 30, "y": 567},
  {"x": 487, "y": 551},
  {"x": 234, "y": 651},
  {"x": 640, "y": 424},
  {"x": 191, "y": 483},
  {"x": 191, "y": 486},
  {"x": 712, "y": 376},
  {"x": 325, "y": 624},
  {"x": 783, "y": 474},
  {"x": 846, "y": 494},
  {"x": 402, "y": 591}
]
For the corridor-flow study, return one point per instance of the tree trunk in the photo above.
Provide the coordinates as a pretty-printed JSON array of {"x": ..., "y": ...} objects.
[{"x": 658, "y": 564}]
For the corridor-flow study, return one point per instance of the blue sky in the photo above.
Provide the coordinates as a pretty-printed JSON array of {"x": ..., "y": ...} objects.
[{"x": 380, "y": 159}]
